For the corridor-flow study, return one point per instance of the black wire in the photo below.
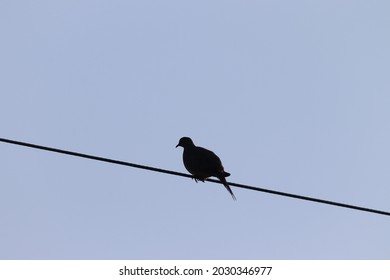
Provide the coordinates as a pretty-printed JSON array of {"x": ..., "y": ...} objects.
[{"x": 189, "y": 176}]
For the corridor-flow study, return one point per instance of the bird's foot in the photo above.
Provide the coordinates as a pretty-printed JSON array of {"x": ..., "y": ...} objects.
[{"x": 197, "y": 179}]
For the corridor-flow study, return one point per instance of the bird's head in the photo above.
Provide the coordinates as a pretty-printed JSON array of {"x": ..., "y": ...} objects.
[{"x": 185, "y": 142}]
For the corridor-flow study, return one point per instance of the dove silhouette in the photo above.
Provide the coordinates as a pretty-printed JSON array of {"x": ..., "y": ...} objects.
[{"x": 202, "y": 163}]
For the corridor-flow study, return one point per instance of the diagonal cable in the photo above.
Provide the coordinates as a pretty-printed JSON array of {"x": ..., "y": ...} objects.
[{"x": 189, "y": 176}]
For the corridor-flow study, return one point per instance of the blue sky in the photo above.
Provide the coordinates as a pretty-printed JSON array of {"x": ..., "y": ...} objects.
[{"x": 292, "y": 95}]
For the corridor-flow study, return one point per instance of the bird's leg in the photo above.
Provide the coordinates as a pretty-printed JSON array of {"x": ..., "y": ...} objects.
[{"x": 197, "y": 179}]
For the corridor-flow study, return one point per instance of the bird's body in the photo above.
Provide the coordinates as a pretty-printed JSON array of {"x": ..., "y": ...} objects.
[{"x": 202, "y": 163}]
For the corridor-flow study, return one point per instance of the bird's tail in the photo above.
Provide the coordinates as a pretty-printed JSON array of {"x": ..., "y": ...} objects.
[{"x": 223, "y": 180}]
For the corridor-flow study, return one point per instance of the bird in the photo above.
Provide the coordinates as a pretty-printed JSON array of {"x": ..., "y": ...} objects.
[{"x": 203, "y": 163}]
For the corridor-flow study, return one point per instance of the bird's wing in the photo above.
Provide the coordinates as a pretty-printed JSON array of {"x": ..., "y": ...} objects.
[{"x": 206, "y": 161}]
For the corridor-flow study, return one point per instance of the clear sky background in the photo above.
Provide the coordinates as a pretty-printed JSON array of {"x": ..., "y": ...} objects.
[{"x": 292, "y": 95}]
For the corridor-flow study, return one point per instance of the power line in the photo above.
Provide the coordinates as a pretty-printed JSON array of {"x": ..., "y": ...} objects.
[{"x": 189, "y": 176}]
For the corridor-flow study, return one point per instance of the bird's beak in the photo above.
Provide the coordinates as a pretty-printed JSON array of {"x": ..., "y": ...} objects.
[{"x": 177, "y": 145}]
